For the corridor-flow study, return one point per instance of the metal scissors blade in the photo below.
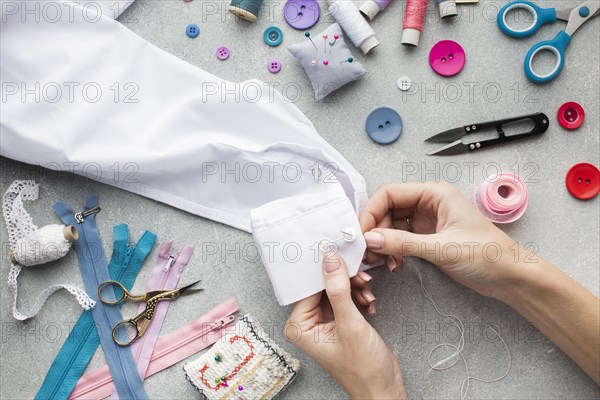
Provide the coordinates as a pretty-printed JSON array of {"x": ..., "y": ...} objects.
[
  {"x": 456, "y": 147},
  {"x": 188, "y": 289},
  {"x": 447, "y": 136},
  {"x": 581, "y": 14}
]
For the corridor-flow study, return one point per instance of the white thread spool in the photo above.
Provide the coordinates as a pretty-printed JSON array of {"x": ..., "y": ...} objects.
[
  {"x": 352, "y": 22},
  {"x": 43, "y": 245},
  {"x": 32, "y": 246}
]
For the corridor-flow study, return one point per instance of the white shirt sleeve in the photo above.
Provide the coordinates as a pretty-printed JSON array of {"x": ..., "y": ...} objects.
[{"x": 85, "y": 94}]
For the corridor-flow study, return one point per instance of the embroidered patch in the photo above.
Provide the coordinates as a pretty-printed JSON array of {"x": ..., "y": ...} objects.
[{"x": 244, "y": 364}]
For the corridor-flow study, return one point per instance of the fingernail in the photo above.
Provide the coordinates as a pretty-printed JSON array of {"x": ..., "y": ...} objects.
[
  {"x": 331, "y": 262},
  {"x": 364, "y": 276},
  {"x": 371, "y": 309},
  {"x": 368, "y": 295},
  {"x": 391, "y": 263},
  {"x": 374, "y": 240}
]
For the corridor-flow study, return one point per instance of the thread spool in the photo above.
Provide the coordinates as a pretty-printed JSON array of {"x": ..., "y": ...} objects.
[
  {"x": 371, "y": 8},
  {"x": 447, "y": 8},
  {"x": 502, "y": 198},
  {"x": 354, "y": 25},
  {"x": 414, "y": 17},
  {"x": 245, "y": 9},
  {"x": 30, "y": 245},
  {"x": 47, "y": 244}
]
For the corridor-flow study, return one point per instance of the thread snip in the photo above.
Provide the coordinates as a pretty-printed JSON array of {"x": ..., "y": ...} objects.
[{"x": 502, "y": 198}]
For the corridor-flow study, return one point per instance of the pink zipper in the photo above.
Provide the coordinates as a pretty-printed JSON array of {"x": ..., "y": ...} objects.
[
  {"x": 165, "y": 275},
  {"x": 170, "y": 349}
]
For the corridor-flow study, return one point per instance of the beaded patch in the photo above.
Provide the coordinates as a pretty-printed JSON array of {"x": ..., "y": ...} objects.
[{"x": 244, "y": 364}]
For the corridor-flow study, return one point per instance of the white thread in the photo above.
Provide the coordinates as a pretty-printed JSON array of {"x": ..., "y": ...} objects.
[
  {"x": 352, "y": 22},
  {"x": 33, "y": 246},
  {"x": 458, "y": 348},
  {"x": 41, "y": 246}
]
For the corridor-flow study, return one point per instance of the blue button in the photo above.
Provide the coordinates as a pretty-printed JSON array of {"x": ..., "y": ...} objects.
[
  {"x": 192, "y": 30},
  {"x": 384, "y": 125},
  {"x": 584, "y": 12},
  {"x": 273, "y": 36}
]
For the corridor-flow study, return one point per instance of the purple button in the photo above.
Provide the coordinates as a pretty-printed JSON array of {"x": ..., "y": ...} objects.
[
  {"x": 274, "y": 66},
  {"x": 447, "y": 58},
  {"x": 301, "y": 14},
  {"x": 223, "y": 53}
]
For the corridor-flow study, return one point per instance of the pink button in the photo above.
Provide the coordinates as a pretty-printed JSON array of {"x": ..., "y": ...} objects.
[
  {"x": 447, "y": 58},
  {"x": 274, "y": 66},
  {"x": 223, "y": 53}
]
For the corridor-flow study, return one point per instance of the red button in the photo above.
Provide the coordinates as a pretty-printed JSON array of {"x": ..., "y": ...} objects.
[
  {"x": 571, "y": 115},
  {"x": 583, "y": 181}
]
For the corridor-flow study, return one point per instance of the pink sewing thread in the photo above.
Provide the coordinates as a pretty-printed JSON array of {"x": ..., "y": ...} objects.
[
  {"x": 414, "y": 16},
  {"x": 502, "y": 198}
]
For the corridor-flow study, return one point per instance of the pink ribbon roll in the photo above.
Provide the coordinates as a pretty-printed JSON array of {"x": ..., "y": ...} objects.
[{"x": 502, "y": 198}]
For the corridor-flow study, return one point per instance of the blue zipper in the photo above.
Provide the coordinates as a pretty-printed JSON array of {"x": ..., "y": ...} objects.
[
  {"x": 98, "y": 280},
  {"x": 120, "y": 360}
]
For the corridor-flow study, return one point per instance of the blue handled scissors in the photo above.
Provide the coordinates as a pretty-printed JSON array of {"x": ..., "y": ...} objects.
[{"x": 575, "y": 18}]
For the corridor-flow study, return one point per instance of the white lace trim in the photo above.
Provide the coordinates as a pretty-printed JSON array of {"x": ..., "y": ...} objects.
[{"x": 33, "y": 246}]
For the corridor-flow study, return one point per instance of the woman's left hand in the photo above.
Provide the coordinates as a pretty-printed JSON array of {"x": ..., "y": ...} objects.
[{"x": 331, "y": 330}]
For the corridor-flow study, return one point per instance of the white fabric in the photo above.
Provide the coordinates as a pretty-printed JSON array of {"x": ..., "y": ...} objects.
[
  {"x": 293, "y": 255},
  {"x": 186, "y": 130},
  {"x": 32, "y": 246}
]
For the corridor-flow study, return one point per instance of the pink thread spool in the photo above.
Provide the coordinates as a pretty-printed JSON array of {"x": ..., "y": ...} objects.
[
  {"x": 414, "y": 17},
  {"x": 502, "y": 198}
]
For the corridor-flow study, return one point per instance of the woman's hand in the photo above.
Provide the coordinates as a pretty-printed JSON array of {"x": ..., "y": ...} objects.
[
  {"x": 436, "y": 222},
  {"x": 330, "y": 329}
]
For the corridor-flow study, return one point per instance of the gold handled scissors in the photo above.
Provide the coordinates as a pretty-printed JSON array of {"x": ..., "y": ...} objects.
[{"x": 128, "y": 331}]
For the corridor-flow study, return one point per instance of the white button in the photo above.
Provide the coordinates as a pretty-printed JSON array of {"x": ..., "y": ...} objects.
[
  {"x": 349, "y": 235},
  {"x": 404, "y": 83},
  {"x": 326, "y": 245}
]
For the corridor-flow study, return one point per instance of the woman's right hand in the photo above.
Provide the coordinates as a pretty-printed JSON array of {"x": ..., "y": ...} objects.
[{"x": 436, "y": 222}]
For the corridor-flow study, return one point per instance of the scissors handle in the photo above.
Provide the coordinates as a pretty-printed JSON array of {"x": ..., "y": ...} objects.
[
  {"x": 539, "y": 17},
  {"x": 127, "y": 332},
  {"x": 558, "y": 45},
  {"x": 118, "y": 292}
]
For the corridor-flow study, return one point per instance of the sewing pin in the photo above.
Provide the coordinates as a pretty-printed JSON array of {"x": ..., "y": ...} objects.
[
  {"x": 325, "y": 36},
  {"x": 307, "y": 34},
  {"x": 314, "y": 62},
  {"x": 349, "y": 60},
  {"x": 325, "y": 62},
  {"x": 336, "y": 37}
]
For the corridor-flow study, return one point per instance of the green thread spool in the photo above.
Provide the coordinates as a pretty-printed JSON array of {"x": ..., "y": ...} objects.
[{"x": 246, "y": 9}]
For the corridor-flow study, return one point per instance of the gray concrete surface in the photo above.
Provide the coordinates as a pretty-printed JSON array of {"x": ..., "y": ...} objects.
[{"x": 562, "y": 229}]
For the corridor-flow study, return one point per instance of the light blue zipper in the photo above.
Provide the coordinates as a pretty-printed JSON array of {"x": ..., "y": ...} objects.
[
  {"x": 94, "y": 270},
  {"x": 83, "y": 340}
]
